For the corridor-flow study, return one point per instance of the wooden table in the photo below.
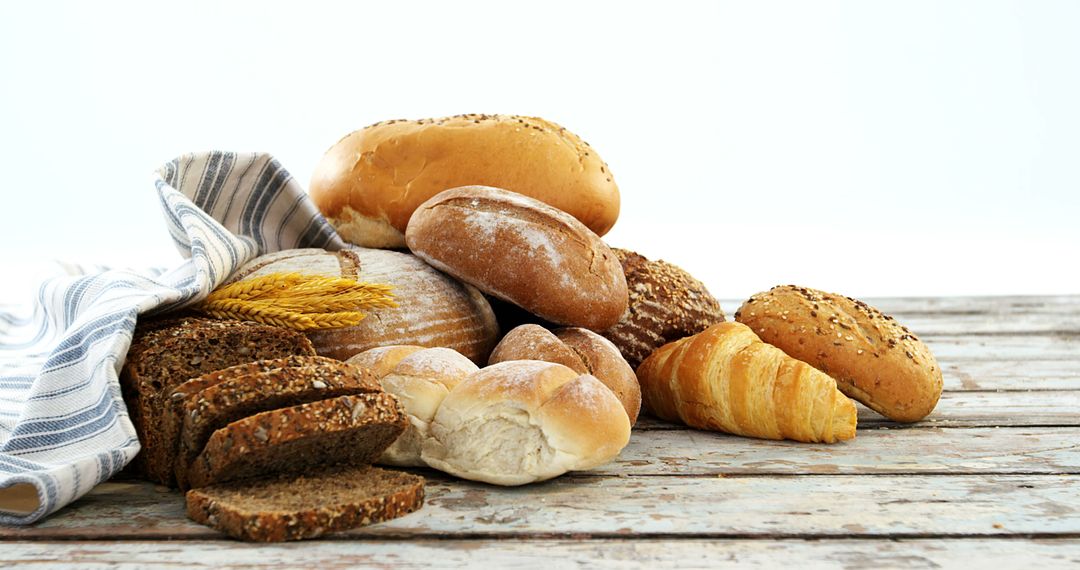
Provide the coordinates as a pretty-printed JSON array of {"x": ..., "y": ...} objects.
[{"x": 992, "y": 477}]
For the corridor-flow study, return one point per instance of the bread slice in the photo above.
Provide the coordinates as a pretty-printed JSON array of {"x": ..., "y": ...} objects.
[
  {"x": 294, "y": 507},
  {"x": 236, "y": 395},
  {"x": 346, "y": 429},
  {"x": 165, "y": 353}
]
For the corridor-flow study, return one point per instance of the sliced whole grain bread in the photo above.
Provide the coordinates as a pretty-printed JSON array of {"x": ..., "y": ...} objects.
[
  {"x": 167, "y": 352},
  {"x": 347, "y": 429},
  {"x": 294, "y": 507},
  {"x": 238, "y": 392}
]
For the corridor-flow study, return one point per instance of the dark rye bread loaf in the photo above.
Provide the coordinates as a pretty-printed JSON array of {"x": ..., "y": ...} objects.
[
  {"x": 166, "y": 353},
  {"x": 268, "y": 385},
  {"x": 295, "y": 507},
  {"x": 666, "y": 304},
  {"x": 346, "y": 429}
]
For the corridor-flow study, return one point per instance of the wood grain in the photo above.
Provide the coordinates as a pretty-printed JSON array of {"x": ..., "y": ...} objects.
[{"x": 685, "y": 554}]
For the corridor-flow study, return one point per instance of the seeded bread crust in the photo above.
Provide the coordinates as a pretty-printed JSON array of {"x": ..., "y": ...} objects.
[
  {"x": 295, "y": 507},
  {"x": 166, "y": 353},
  {"x": 347, "y": 429},
  {"x": 279, "y": 383},
  {"x": 666, "y": 304}
]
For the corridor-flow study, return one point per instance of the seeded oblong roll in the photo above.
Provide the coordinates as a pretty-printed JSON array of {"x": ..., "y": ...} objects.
[{"x": 873, "y": 358}]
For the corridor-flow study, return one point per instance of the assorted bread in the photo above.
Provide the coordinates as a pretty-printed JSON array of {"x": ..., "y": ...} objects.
[
  {"x": 521, "y": 250},
  {"x": 370, "y": 182},
  {"x": 873, "y": 358},
  {"x": 724, "y": 378},
  {"x": 273, "y": 431}
]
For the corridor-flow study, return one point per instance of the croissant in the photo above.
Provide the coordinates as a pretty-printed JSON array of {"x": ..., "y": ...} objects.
[{"x": 724, "y": 378}]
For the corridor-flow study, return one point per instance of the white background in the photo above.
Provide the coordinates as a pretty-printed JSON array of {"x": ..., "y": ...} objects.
[{"x": 874, "y": 149}]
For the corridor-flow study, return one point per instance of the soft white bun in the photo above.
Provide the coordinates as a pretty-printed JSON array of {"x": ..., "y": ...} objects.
[
  {"x": 522, "y": 421},
  {"x": 420, "y": 378}
]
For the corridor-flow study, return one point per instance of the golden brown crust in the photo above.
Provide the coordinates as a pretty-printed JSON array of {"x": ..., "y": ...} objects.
[
  {"x": 665, "y": 304},
  {"x": 581, "y": 350},
  {"x": 873, "y": 358},
  {"x": 521, "y": 250},
  {"x": 724, "y": 378},
  {"x": 373, "y": 179}
]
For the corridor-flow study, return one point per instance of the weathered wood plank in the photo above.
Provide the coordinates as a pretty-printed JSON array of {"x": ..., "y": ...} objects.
[
  {"x": 933, "y": 450},
  {"x": 1012, "y": 375},
  {"x": 731, "y": 506},
  {"x": 608, "y": 553},
  {"x": 961, "y": 348},
  {"x": 967, "y": 409}
]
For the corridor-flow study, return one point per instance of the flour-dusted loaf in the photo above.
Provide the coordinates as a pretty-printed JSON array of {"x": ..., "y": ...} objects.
[
  {"x": 433, "y": 310},
  {"x": 347, "y": 429},
  {"x": 174, "y": 350},
  {"x": 666, "y": 304},
  {"x": 522, "y": 421},
  {"x": 579, "y": 349},
  {"x": 278, "y": 384},
  {"x": 371, "y": 181},
  {"x": 873, "y": 358},
  {"x": 724, "y": 378},
  {"x": 420, "y": 378},
  {"x": 306, "y": 505},
  {"x": 521, "y": 250}
]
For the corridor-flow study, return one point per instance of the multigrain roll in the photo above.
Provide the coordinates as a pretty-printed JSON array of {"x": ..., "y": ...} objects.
[
  {"x": 521, "y": 250},
  {"x": 666, "y": 304},
  {"x": 522, "y": 421},
  {"x": 371, "y": 181},
  {"x": 873, "y": 358},
  {"x": 581, "y": 350}
]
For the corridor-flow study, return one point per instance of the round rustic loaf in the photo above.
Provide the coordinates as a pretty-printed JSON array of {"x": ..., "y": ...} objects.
[
  {"x": 433, "y": 310},
  {"x": 371, "y": 181},
  {"x": 521, "y": 250},
  {"x": 522, "y": 421},
  {"x": 581, "y": 350},
  {"x": 420, "y": 378},
  {"x": 666, "y": 304},
  {"x": 873, "y": 358}
]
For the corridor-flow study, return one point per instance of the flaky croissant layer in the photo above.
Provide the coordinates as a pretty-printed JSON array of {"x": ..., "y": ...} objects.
[{"x": 725, "y": 378}]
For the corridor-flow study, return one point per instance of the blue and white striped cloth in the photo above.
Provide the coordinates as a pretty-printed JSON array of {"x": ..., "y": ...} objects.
[{"x": 63, "y": 424}]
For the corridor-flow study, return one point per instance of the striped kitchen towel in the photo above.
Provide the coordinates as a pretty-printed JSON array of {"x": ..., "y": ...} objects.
[{"x": 63, "y": 424}]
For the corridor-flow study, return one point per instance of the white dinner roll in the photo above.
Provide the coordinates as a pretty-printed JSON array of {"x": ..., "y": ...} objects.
[
  {"x": 522, "y": 421},
  {"x": 420, "y": 378}
]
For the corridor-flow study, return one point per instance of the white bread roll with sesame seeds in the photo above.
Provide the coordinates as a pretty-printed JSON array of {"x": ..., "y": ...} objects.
[
  {"x": 523, "y": 421},
  {"x": 523, "y": 251},
  {"x": 873, "y": 358},
  {"x": 371, "y": 181}
]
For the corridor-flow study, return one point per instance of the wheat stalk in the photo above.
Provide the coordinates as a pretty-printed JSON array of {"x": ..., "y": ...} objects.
[{"x": 297, "y": 301}]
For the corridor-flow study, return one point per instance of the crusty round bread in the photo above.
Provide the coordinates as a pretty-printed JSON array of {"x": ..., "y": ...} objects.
[
  {"x": 433, "y": 310},
  {"x": 420, "y": 378},
  {"x": 666, "y": 304},
  {"x": 522, "y": 421},
  {"x": 521, "y": 250},
  {"x": 581, "y": 350},
  {"x": 873, "y": 358},
  {"x": 371, "y": 181}
]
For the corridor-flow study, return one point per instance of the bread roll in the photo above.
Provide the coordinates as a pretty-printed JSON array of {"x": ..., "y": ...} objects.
[
  {"x": 581, "y": 350},
  {"x": 519, "y": 249},
  {"x": 420, "y": 378},
  {"x": 724, "y": 378},
  {"x": 522, "y": 421},
  {"x": 433, "y": 310},
  {"x": 666, "y": 304},
  {"x": 371, "y": 181},
  {"x": 873, "y": 358}
]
